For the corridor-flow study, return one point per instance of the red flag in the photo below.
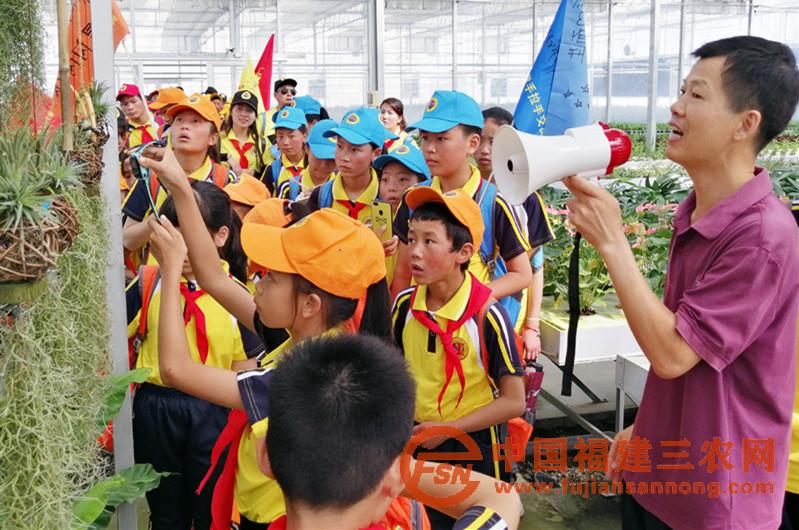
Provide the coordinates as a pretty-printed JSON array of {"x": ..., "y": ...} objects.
[{"x": 264, "y": 71}]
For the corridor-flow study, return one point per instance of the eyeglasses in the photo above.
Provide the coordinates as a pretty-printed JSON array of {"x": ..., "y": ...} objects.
[{"x": 285, "y": 90}]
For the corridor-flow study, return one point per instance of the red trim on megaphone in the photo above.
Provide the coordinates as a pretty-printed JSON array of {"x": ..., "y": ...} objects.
[
  {"x": 620, "y": 148},
  {"x": 603, "y": 125}
]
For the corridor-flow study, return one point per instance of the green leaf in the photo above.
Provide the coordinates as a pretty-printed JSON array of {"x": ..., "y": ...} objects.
[
  {"x": 93, "y": 511},
  {"x": 118, "y": 387}
]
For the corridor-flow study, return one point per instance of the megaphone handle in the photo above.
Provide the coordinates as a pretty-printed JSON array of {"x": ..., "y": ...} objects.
[{"x": 574, "y": 316}]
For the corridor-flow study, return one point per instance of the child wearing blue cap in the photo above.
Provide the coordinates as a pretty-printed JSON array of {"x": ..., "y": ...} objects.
[
  {"x": 450, "y": 135},
  {"x": 401, "y": 168},
  {"x": 291, "y": 132},
  {"x": 321, "y": 164},
  {"x": 313, "y": 109}
]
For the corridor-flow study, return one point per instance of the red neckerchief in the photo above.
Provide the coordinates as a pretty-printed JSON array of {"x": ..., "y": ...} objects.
[
  {"x": 222, "y": 499},
  {"x": 353, "y": 207},
  {"x": 280, "y": 524},
  {"x": 478, "y": 296},
  {"x": 242, "y": 151},
  {"x": 295, "y": 171},
  {"x": 388, "y": 144},
  {"x": 193, "y": 310},
  {"x": 146, "y": 137}
]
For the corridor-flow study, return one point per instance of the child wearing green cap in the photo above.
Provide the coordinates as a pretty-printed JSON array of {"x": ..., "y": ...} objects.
[{"x": 450, "y": 135}]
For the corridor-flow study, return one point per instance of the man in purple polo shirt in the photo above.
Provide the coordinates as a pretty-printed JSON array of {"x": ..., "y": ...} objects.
[{"x": 722, "y": 345}]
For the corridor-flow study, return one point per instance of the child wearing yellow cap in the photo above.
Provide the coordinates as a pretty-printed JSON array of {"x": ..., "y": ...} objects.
[
  {"x": 450, "y": 134},
  {"x": 173, "y": 431},
  {"x": 167, "y": 98},
  {"x": 310, "y": 289},
  {"x": 457, "y": 340},
  {"x": 195, "y": 141},
  {"x": 241, "y": 146}
]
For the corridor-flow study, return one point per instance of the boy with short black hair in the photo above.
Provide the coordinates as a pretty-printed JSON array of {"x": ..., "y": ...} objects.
[
  {"x": 450, "y": 134},
  {"x": 457, "y": 340},
  {"x": 340, "y": 414}
]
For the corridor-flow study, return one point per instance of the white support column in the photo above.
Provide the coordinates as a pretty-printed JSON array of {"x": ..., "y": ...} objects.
[
  {"x": 651, "y": 111},
  {"x": 681, "y": 51},
  {"x": 454, "y": 44},
  {"x": 102, "y": 41},
  {"x": 375, "y": 29},
  {"x": 609, "y": 80}
]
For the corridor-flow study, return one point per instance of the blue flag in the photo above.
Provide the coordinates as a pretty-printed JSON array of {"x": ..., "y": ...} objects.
[{"x": 555, "y": 96}]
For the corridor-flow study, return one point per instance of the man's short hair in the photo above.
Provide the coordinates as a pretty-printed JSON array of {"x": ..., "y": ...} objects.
[
  {"x": 758, "y": 74},
  {"x": 341, "y": 412}
]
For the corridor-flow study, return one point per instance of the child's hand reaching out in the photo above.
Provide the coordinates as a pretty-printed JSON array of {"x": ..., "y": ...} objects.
[
  {"x": 162, "y": 160},
  {"x": 167, "y": 245}
]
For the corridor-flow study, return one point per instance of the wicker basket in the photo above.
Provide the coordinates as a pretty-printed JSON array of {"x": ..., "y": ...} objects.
[
  {"x": 30, "y": 250},
  {"x": 92, "y": 164}
]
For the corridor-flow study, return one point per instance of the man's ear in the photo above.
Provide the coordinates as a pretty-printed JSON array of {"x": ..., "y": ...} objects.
[{"x": 749, "y": 125}]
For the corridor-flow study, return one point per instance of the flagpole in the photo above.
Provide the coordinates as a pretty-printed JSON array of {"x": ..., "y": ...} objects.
[
  {"x": 63, "y": 73},
  {"x": 651, "y": 113},
  {"x": 609, "y": 80}
]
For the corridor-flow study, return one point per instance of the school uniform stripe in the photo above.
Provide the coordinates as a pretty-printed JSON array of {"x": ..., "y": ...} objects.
[
  {"x": 502, "y": 203},
  {"x": 501, "y": 329}
]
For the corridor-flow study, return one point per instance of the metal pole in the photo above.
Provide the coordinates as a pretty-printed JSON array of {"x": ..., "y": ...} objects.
[
  {"x": 278, "y": 43},
  {"x": 749, "y": 19},
  {"x": 63, "y": 73},
  {"x": 681, "y": 47},
  {"x": 376, "y": 67},
  {"x": 534, "y": 35},
  {"x": 102, "y": 40},
  {"x": 609, "y": 80},
  {"x": 651, "y": 111},
  {"x": 132, "y": 25},
  {"x": 234, "y": 27},
  {"x": 454, "y": 44}
]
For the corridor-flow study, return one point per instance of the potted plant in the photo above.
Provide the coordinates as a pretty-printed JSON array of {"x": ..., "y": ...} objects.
[
  {"x": 647, "y": 203},
  {"x": 37, "y": 223},
  {"x": 91, "y": 132}
]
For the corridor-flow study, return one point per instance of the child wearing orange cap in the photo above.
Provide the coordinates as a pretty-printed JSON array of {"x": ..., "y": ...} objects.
[
  {"x": 457, "y": 340},
  {"x": 173, "y": 431},
  {"x": 195, "y": 141},
  {"x": 143, "y": 128},
  {"x": 246, "y": 194},
  {"x": 167, "y": 98},
  {"x": 309, "y": 290}
]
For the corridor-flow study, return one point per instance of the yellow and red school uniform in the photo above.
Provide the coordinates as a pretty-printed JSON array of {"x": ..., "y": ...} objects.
[
  {"x": 141, "y": 133},
  {"x": 245, "y": 153},
  {"x": 302, "y": 187},
  {"x": 332, "y": 195}
]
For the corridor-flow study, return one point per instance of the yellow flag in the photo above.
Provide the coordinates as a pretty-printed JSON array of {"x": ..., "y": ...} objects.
[{"x": 249, "y": 81}]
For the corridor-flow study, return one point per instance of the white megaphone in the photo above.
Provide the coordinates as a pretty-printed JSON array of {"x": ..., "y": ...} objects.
[{"x": 523, "y": 162}]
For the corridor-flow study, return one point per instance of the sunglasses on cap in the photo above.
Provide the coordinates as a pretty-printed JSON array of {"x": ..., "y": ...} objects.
[{"x": 285, "y": 90}]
